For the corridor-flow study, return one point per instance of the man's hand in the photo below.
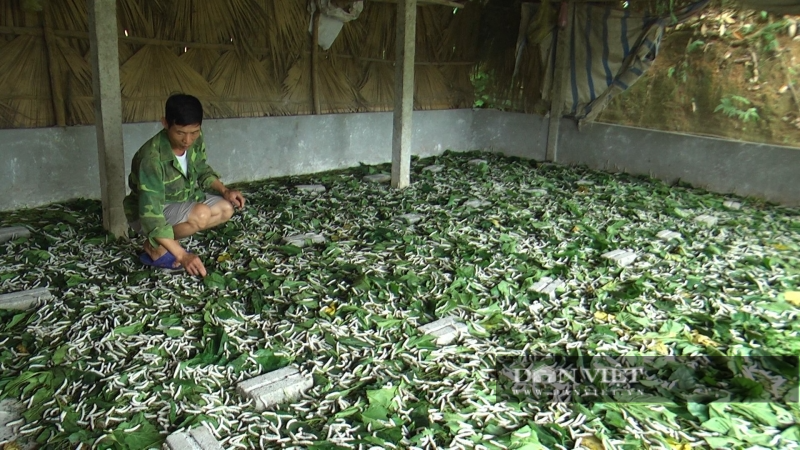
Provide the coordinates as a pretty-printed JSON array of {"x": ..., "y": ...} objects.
[
  {"x": 193, "y": 264},
  {"x": 235, "y": 197}
]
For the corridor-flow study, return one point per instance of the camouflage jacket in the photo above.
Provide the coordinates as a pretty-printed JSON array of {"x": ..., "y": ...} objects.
[{"x": 157, "y": 179}]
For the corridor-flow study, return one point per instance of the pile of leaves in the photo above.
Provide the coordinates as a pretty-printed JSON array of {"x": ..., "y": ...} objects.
[{"x": 124, "y": 355}]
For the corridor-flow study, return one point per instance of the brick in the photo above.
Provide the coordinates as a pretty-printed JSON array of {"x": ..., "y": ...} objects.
[
  {"x": 275, "y": 387},
  {"x": 410, "y": 218},
  {"x": 246, "y": 387},
  {"x": 445, "y": 330},
  {"x": 477, "y": 162},
  {"x": 621, "y": 257},
  {"x": 668, "y": 235},
  {"x": 706, "y": 219},
  {"x": 299, "y": 240},
  {"x": 310, "y": 187},
  {"x": 730, "y": 204},
  {"x": 24, "y": 299},
  {"x": 11, "y": 233},
  {"x": 378, "y": 178},
  {"x": 433, "y": 168},
  {"x": 547, "y": 286},
  {"x": 199, "y": 438}
]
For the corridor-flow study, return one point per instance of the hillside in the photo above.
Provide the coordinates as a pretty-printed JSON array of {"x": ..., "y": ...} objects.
[{"x": 732, "y": 74}]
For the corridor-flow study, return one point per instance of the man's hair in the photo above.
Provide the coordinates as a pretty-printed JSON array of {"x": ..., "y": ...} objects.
[{"x": 182, "y": 110}]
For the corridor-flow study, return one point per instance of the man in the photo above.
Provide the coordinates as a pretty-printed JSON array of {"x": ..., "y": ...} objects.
[{"x": 169, "y": 179}]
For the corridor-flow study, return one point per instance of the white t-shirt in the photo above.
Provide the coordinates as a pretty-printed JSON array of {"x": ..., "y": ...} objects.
[{"x": 182, "y": 161}]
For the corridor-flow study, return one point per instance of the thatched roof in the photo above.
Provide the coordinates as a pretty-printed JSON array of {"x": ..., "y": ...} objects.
[
  {"x": 242, "y": 58},
  {"x": 253, "y": 57}
]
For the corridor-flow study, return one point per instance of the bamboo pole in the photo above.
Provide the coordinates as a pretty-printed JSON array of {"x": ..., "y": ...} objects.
[
  {"x": 57, "y": 95},
  {"x": 315, "y": 62}
]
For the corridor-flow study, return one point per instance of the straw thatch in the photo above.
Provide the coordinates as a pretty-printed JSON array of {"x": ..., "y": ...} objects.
[
  {"x": 25, "y": 83},
  {"x": 243, "y": 58},
  {"x": 152, "y": 75},
  {"x": 377, "y": 86},
  {"x": 74, "y": 75},
  {"x": 202, "y": 60},
  {"x": 248, "y": 88}
]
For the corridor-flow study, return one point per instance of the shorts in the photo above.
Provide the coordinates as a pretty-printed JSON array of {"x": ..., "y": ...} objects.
[{"x": 176, "y": 213}]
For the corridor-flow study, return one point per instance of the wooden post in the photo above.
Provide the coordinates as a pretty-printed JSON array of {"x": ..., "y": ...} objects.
[
  {"x": 403, "y": 92},
  {"x": 108, "y": 112},
  {"x": 562, "y": 38},
  {"x": 315, "y": 63},
  {"x": 57, "y": 94}
]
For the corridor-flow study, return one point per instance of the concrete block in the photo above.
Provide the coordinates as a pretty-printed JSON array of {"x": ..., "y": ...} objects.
[
  {"x": 378, "y": 178},
  {"x": 477, "y": 162},
  {"x": 196, "y": 439},
  {"x": 24, "y": 299},
  {"x": 621, "y": 257},
  {"x": 730, "y": 204},
  {"x": 299, "y": 240},
  {"x": 547, "y": 286},
  {"x": 276, "y": 387},
  {"x": 477, "y": 203},
  {"x": 410, "y": 218},
  {"x": 706, "y": 219},
  {"x": 433, "y": 168},
  {"x": 9, "y": 420},
  {"x": 668, "y": 235},
  {"x": 11, "y": 233},
  {"x": 310, "y": 187},
  {"x": 445, "y": 330}
]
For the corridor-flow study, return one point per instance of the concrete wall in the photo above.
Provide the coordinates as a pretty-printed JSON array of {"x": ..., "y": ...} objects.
[
  {"x": 47, "y": 165},
  {"x": 513, "y": 134},
  {"x": 41, "y": 166},
  {"x": 728, "y": 167}
]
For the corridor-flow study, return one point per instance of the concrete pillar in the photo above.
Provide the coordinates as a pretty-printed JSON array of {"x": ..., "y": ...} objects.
[
  {"x": 108, "y": 112},
  {"x": 561, "y": 80},
  {"x": 403, "y": 92}
]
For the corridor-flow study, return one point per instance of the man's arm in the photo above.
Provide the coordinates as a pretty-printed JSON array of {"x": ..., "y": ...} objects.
[
  {"x": 151, "y": 203},
  {"x": 189, "y": 261},
  {"x": 235, "y": 197},
  {"x": 208, "y": 179}
]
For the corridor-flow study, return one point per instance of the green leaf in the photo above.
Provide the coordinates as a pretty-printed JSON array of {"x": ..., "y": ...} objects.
[
  {"x": 791, "y": 434},
  {"x": 758, "y": 412},
  {"x": 18, "y": 318},
  {"x": 269, "y": 361},
  {"x": 60, "y": 354},
  {"x": 144, "y": 437},
  {"x": 129, "y": 330},
  {"x": 214, "y": 280},
  {"x": 718, "y": 424},
  {"x": 382, "y": 397}
]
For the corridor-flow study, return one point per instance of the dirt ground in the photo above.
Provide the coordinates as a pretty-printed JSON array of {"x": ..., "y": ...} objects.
[{"x": 727, "y": 74}]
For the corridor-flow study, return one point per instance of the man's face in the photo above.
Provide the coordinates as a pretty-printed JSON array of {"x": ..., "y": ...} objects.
[{"x": 181, "y": 137}]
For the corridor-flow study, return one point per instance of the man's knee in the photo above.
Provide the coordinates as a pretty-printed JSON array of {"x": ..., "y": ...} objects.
[
  {"x": 226, "y": 210},
  {"x": 200, "y": 216}
]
